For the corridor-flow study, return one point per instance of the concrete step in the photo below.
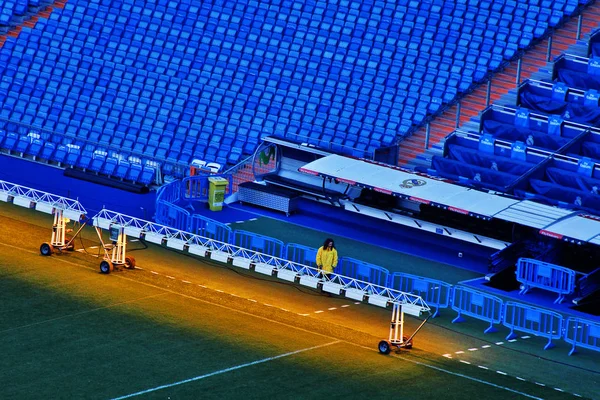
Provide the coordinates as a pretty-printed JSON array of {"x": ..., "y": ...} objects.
[
  {"x": 504, "y": 86},
  {"x": 470, "y": 126}
]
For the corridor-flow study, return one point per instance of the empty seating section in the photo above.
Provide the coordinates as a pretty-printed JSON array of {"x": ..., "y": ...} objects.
[
  {"x": 180, "y": 80},
  {"x": 14, "y": 12},
  {"x": 558, "y": 99},
  {"x": 547, "y": 148},
  {"x": 533, "y": 156},
  {"x": 38, "y": 145}
]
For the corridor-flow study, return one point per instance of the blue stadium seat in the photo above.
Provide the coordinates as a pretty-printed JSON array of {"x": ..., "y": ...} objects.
[
  {"x": 134, "y": 173},
  {"x": 85, "y": 160},
  {"x": 35, "y": 147},
  {"x": 73, "y": 153},
  {"x": 59, "y": 154},
  {"x": 10, "y": 141},
  {"x": 22, "y": 144},
  {"x": 47, "y": 151},
  {"x": 122, "y": 169},
  {"x": 153, "y": 96},
  {"x": 147, "y": 175},
  {"x": 98, "y": 159},
  {"x": 109, "y": 167}
]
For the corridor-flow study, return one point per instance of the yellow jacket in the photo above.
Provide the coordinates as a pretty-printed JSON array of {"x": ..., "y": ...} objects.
[{"x": 327, "y": 260}]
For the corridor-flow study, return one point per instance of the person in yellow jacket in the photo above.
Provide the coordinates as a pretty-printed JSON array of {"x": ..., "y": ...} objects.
[{"x": 327, "y": 257}]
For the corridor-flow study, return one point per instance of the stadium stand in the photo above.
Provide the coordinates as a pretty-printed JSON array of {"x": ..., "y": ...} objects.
[
  {"x": 594, "y": 44},
  {"x": 15, "y": 12},
  {"x": 129, "y": 91},
  {"x": 559, "y": 99},
  {"x": 176, "y": 82}
]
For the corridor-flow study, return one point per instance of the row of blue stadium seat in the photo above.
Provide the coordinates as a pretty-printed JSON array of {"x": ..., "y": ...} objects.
[
  {"x": 14, "y": 12},
  {"x": 298, "y": 72},
  {"x": 484, "y": 160},
  {"x": 76, "y": 156},
  {"x": 559, "y": 99}
]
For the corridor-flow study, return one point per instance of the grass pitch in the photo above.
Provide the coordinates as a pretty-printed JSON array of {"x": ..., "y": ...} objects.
[{"x": 69, "y": 332}]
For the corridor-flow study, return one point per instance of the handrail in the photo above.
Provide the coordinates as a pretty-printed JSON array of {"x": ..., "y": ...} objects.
[{"x": 40, "y": 197}]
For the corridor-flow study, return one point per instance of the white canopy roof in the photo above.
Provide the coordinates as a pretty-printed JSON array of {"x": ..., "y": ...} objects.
[
  {"x": 387, "y": 179},
  {"x": 552, "y": 221}
]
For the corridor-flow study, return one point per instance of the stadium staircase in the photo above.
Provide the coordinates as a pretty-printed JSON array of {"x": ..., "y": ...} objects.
[{"x": 412, "y": 151}]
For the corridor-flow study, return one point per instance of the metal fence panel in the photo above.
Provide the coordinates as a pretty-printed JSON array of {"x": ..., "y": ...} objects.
[
  {"x": 436, "y": 293},
  {"x": 582, "y": 333},
  {"x": 301, "y": 254},
  {"x": 534, "y": 320},
  {"x": 196, "y": 187},
  {"x": 538, "y": 274},
  {"x": 478, "y": 305},
  {"x": 363, "y": 271},
  {"x": 172, "y": 215},
  {"x": 210, "y": 228},
  {"x": 260, "y": 243}
]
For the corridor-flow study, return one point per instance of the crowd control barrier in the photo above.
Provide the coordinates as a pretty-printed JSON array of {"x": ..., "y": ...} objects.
[
  {"x": 436, "y": 293},
  {"x": 362, "y": 271},
  {"x": 529, "y": 319},
  {"x": 478, "y": 305},
  {"x": 171, "y": 215},
  {"x": 582, "y": 333},
  {"x": 301, "y": 254},
  {"x": 196, "y": 187},
  {"x": 538, "y": 274},
  {"x": 209, "y": 228},
  {"x": 259, "y": 243}
]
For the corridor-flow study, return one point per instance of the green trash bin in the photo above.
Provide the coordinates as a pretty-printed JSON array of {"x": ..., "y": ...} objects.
[{"x": 216, "y": 192}]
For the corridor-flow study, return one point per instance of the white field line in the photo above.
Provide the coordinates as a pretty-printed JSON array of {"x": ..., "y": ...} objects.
[
  {"x": 82, "y": 312},
  {"x": 433, "y": 367},
  {"x": 222, "y": 371},
  {"x": 466, "y": 377}
]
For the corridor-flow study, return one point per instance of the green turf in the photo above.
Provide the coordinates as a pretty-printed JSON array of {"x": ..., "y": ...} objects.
[
  {"x": 72, "y": 349},
  {"x": 70, "y": 332}
]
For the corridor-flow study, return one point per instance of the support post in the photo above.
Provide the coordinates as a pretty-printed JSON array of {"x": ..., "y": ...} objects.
[
  {"x": 397, "y": 325},
  {"x": 58, "y": 229},
  {"x": 518, "y": 78},
  {"x": 427, "y": 133},
  {"x": 457, "y": 115},
  {"x": 488, "y": 92},
  {"x": 549, "y": 51},
  {"x": 579, "y": 25}
]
